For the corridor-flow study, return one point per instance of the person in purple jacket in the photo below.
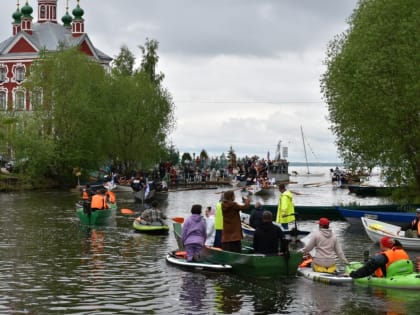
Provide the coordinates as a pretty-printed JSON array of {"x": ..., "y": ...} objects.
[{"x": 194, "y": 233}]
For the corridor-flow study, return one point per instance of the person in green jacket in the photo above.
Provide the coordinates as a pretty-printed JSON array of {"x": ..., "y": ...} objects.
[{"x": 286, "y": 208}]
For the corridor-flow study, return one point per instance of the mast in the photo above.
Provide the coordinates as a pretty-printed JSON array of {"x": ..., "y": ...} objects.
[{"x": 304, "y": 149}]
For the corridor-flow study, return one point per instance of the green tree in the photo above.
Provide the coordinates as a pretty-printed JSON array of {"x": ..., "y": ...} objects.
[
  {"x": 186, "y": 157},
  {"x": 70, "y": 121},
  {"x": 372, "y": 86},
  {"x": 123, "y": 64},
  {"x": 143, "y": 114},
  {"x": 150, "y": 60}
]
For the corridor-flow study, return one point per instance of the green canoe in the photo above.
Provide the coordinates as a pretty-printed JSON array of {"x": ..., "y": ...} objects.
[
  {"x": 153, "y": 228},
  {"x": 400, "y": 275},
  {"x": 97, "y": 217},
  {"x": 247, "y": 263}
]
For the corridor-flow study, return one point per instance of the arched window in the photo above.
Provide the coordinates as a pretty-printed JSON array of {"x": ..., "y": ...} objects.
[
  {"x": 20, "y": 100},
  {"x": 3, "y": 100},
  {"x": 42, "y": 12},
  {"x": 20, "y": 73},
  {"x": 36, "y": 99},
  {"x": 3, "y": 74}
]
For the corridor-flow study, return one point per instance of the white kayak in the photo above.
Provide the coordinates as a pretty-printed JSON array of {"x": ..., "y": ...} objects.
[
  {"x": 323, "y": 277},
  {"x": 177, "y": 258}
]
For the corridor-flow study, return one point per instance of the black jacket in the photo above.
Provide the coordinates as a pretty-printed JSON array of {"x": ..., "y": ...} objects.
[{"x": 268, "y": 238}]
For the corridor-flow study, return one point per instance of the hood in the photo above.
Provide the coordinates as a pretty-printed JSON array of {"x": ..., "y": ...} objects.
[
  {"x": 196, "y": 217},
  {"x": 326, "y": 232}
]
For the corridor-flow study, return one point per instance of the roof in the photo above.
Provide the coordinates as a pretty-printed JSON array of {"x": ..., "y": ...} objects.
[{"x": 50, "y": 36}]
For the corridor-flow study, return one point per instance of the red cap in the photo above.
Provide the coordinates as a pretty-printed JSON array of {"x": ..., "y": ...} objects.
[
  {"x": 387, "y": 242},
  {"x": 324, "y": 221}
]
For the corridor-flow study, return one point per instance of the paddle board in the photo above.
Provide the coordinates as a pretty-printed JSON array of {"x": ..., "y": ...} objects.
[
  {"x": 179, "y": 260},
  {"x": 327, "y": 278}
]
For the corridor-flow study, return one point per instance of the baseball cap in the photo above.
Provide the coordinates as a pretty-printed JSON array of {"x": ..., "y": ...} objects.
[{"x": 324, "y": 221}]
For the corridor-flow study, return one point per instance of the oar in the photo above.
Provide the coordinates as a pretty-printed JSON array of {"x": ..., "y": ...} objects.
[
  {"x": 223, "y": 191},
  {"x": 178, "y": 219},
  {"x": 374, "y": 227},
  {"x": 296, "y": 193},
  {"x": 127, "y": 211}
]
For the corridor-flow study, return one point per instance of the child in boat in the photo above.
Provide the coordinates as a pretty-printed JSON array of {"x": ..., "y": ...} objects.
[{"x": 194, "y": 233}]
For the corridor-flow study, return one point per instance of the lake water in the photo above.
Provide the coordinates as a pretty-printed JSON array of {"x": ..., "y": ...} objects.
[{"x": 50, "y": 264}]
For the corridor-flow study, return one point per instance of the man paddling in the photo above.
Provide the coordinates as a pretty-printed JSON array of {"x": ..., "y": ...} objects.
[{"x": 391, "y": 251}]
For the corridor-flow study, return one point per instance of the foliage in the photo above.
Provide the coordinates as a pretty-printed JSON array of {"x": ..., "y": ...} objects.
[
  {"x": 232, "y": 157},
  {"x": 150, "y": 60},
  {"x": 143, "y": 112},
  {"x": 371, "y": 87},
  {"x": 123, "y": 64},
  {"x": 64, "y": 129},
  {"x": 83, "y": 117},
  {"x": 186, "y": 157}
]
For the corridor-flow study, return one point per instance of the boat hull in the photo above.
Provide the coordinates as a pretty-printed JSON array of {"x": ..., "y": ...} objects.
[
  {"x": 180, "y": 261},
  {"x": 377, "y": 229},
  {"x": 370, "y": 191},
  {"x": 405, "y": 279},
  {"x": 332, "y": 213},
  {"x": 396, "y": 218},
  {"x": 155, "y": 229},
  {"x": 97, "y": 217},
  {"x": 247, "y": 263},
  {"x": 257, "y": 265}
]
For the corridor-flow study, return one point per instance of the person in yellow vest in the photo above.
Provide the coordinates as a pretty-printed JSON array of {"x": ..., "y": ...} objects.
[
  {"x": 218, "y": 224},
  {"x": 99, "y": 201},
  {"x": 391, "y": 251},
  {"x": 286, "y": 208}
]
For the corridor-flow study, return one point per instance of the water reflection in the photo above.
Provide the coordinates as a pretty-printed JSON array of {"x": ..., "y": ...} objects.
[
  {"x": 93, "y": 244},
  {"x": 227, "y": 297},
  {"x": 193, "y": 291}
]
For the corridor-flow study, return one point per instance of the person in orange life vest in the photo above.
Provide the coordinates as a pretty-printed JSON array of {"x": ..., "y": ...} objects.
[
  {"x": 391, "y": 251},
  {"x": 86, "y": 192},
  {"x": 413, "y": 229},
  {"x": 99, "y": 201},
  {"x": 110, "y": 195}
]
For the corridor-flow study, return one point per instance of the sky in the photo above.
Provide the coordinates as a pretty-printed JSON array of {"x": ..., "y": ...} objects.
[{"x": 242, "y": 73}]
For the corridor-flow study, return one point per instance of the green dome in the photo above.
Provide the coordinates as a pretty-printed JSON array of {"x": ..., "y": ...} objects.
[
  {"x": 27, "y": 10},
  {"x": 78, "y": 13},
  {"x": 17, "y": 16},
  {"x": 67, "y": 19}
]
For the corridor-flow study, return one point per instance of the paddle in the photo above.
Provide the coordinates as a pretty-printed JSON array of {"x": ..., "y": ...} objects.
[
  {"x": 127, "y": 211},
  {"x": 178, "y": 219}
]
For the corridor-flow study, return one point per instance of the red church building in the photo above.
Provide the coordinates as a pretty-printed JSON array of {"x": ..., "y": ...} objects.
[{"x": 27, "y": 40}]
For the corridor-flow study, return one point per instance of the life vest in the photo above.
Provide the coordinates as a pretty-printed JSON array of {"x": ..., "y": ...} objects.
[
  {"x": 285, "y": 204},
  {"x": 393, "y": 255},
  {"x": 416, "y": 226},
  {"x": 218, "y": 218},
  {"x": 85, "y": 194},
  {"x": 111, "y": 196},
  {"x": 98, "y": 202}
]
